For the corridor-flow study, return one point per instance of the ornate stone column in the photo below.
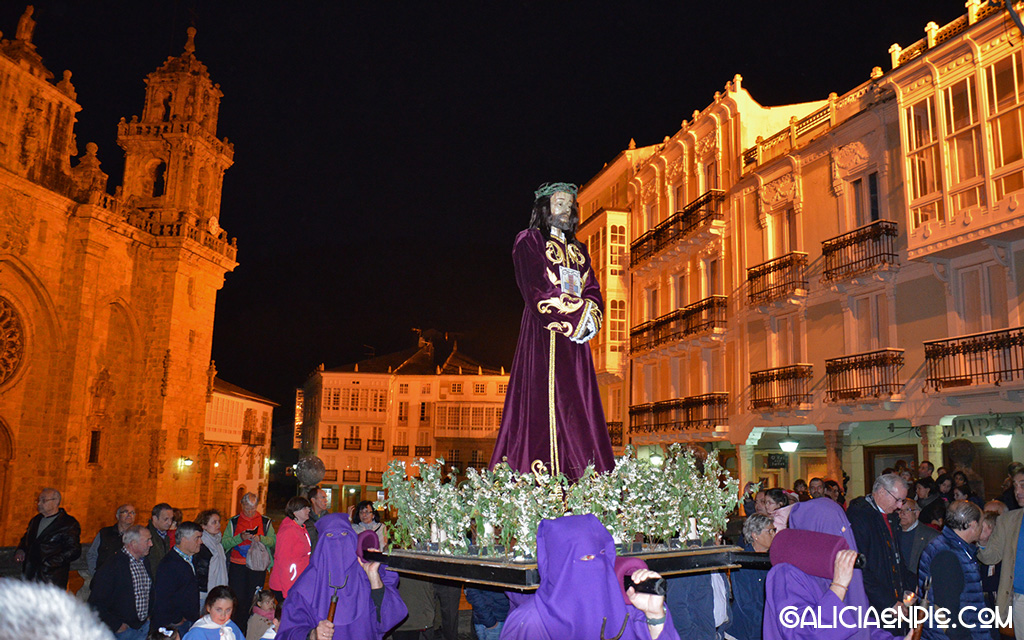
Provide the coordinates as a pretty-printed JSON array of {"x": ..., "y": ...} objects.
[{"x": 931, "y": 444}]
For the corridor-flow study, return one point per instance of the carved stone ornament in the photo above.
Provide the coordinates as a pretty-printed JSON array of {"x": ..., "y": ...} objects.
[
  {"x": 778, "y": 190},
  {"x": 12, "y": 341},
  {"x": 851, "y": 155},
  {"x": 675, "y": 171},
  {"x": 647, "y": 193},
  {"x": 706, "y": 144}
]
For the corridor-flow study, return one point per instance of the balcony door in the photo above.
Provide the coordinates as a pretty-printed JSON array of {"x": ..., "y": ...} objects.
[
  {"x": 783, "y": 232},
  {"x": 983, "y": 298}
]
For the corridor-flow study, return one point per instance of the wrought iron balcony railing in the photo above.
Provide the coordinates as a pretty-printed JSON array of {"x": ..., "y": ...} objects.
[
  {"x": 331, "y": 475},
  {"x": 861, "y": 250},
  {"x": 993, "y": 357},
  {"x": 872, "y": 374},
  {"x": 374, "y": 477},
  {"x": 328, "y": 443},
  {"x": 400, "y": 451},
  {"x": 777, "y": 278},
  {"x": 694, "y": 413},
  {"x": 350, "y": 475},
  {"x": 374, "y": 445},
  {"x": 353, "y": 444},
  {"x": 694, "y": 319},
  {"x": 423, "y": 451},
  {"x": 615, "y": 431},
  {"x": 704, "y": 209},
  {"x": 781, "y": 387}
]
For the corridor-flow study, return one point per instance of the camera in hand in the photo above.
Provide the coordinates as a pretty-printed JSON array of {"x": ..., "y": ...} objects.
[{"x": 653, "y": 586}]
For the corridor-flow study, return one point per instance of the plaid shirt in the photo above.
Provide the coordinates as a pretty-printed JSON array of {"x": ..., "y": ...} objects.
[{"x": 141, "y": 582}]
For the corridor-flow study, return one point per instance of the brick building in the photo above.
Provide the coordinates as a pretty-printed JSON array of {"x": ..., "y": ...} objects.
[{"x": 107, "y": 301}]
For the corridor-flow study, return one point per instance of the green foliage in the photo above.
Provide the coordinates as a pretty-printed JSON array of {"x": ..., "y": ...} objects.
[{"x": 679, "y": 499}]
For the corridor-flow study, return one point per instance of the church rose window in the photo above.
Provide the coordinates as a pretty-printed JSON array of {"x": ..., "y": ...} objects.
[{"x": 12, "y": 341}]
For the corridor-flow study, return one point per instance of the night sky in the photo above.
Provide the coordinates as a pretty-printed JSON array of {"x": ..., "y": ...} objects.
[{"x": 386, "y": 152}]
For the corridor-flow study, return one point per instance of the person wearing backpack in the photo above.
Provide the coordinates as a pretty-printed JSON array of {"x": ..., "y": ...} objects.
[{"x": 249, "y": 541}]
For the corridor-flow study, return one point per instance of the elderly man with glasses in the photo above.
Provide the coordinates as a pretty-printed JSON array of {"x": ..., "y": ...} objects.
[
  {"x": 876, "y": 527},
  {"x": 51, "y": 543},
  {"x": 108, "y": 539},
  {"x": 915, "y": 537}
]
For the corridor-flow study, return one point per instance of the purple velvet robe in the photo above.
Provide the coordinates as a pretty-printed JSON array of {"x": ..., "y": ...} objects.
[
  {"x": 577, "y": 596},
  {"x": 334, "y": 563},
  {"x": 549, "y": 319},
  {"x": 788, "y": 586}
]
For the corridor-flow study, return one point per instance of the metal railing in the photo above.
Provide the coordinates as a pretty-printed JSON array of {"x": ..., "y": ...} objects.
[
  {"x": 374, "y": 477},
  {"x": 863, "y": 249},
  {"x": 704, "y": 209},
  {"x": 694, "y": 413},
  {"x": 777, "y": 278},
  {"x": 697, "y": 318},
  {"x": 353, "y": 444},
  {"x": 422, "y": 451},
  {"x": 331, "y": 475},
  {"x": 993, "y": 357},
  {"x": 787, "y": 386},
  {"x": 615, "y": 431},
  {"x": 400, "y": 451},
  {"x": 374, "y": 445},
  {"x": 328, "y": 443},
  {"x": 350, "y": 475},
  {"x": 872, "y": 374}
]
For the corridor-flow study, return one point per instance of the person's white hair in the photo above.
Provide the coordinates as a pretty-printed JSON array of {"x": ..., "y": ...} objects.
[
  {"x": 132, "y": 534},
  {"x": 249, "y": 499},
  {"x": 889, "y": 482},
  {"x": 44, "y": 612}
]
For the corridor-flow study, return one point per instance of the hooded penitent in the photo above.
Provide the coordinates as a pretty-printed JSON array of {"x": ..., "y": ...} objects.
[
  {"x": 788, "y": 586},
  {"x": 334, "y": 563},
  {"x": 578, "y": 592}
]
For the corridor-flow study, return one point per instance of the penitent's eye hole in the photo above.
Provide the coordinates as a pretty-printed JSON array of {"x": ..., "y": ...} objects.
[{"x": 587, "y": 557}]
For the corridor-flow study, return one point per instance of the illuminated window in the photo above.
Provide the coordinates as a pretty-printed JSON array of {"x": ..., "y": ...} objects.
[
  {"x": 963, "y": 143},
  {"x": 479, "y": 387},
  {"x": 617, "y": 327},
  {"x": 925, "y": 180},
  {"x": 1005, "y": 91}
]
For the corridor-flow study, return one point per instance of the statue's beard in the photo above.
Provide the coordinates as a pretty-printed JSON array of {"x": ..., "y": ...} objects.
[{"x": 563, "y": 222}]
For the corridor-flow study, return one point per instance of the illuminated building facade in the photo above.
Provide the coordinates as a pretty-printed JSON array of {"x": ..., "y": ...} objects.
[
  {"x": 426, "y": 402},
  {"x": 107, "y": 301},
  {"x": 842, "y": 271}
]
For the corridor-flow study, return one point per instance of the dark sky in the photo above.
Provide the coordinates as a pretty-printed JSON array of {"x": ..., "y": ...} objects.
[{"x": 386, "y": 152}]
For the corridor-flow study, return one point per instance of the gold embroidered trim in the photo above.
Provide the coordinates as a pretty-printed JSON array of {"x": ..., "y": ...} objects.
[
  {"x": 552, "y": 430},
  {"x": 564, "y": 328},
  {"x": 582, "y": 326},
  {"x": 565, "y": 303},
  {"x": 553, "y": 278},
  {"x": 554, "y": 252},
  {"x": 575, "y": 255}
]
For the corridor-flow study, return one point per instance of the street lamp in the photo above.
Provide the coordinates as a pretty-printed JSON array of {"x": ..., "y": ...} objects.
[
  {"x": 789, "y": 445},
  {"x": 999, "y": 438}
]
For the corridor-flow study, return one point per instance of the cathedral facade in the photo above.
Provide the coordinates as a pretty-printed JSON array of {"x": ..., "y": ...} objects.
[{"x": 107, "y": 301}]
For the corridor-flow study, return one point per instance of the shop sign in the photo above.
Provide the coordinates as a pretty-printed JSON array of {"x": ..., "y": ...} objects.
[
  {"x": 965, "y": 426},
  {"x": 777, "y": 461}
]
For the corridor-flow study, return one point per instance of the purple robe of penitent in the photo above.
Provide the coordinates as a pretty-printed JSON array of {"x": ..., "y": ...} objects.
[
  {"x": 788, "y": 586},
  {"x": 334, "y": 563},
  {"x": 552, "y": 386},
  {"x": 578, "y": 596}
]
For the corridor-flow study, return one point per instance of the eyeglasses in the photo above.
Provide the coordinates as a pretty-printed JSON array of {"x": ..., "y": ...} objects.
[
  {"x": 42, "y": 500},
  {"x": 899, "y": 501}
]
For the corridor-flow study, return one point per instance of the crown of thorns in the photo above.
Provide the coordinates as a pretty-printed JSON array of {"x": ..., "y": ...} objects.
[{"x": 551, "y": 188}]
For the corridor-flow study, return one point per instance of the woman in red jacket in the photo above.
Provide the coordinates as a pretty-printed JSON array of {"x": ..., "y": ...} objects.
[{"x": 291, "y": 554}]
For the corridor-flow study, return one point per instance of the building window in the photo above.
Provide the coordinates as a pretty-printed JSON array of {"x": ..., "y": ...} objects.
[
  {"x": 649, "y": 216},
  {"x": 378, "y": 433},
  {"x": 1005, "y": 80},
  {"x": 784, "y": 232},
  {"x": 425, "y": 389},
  {"x": 618, "y": 248},
  {"x": 864, "y": 197},
  {"x": 871, "y": 318},
  {"x": 94, "y": 447},
  {"x": 423, "y": 438},
  {"x": 477, "y": 417},
  {"x": 502, "y": 388},
  {"x": 479, "y": 388},
  {"x": 787, "y": 340},
  {"x": 403, "y": 388},
  {"x": 651, "y": 303},
  {"x": 401, "y": 437},
  {"x": 476, "y": 459},
  {"x": 351, "y": 462},
  {"x": 963, "y": 144},
  {"x": 403, "y": 411},
  {"x": 497, "y": 416},
  {"x": 424, "y": 413},
  {"x": 925, "y": 182},
  {"x": 983, "y": 298},
  {"x": 454, "y": 456},
  {"x": 456, "y": 387},
  {"x": 617, "y": 328},
  {"x": 353, "y": 431}
]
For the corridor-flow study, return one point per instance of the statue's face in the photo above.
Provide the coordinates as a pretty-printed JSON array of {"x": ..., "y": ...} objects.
[{"x": 561, "y": 210}]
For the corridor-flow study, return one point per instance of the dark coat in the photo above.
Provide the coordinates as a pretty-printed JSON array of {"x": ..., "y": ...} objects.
[
  {"x": 884, "y": 572},
  {"x": 489, "y": 607},
  {"x": 175, "y": 592},
  {"x": 161, "y": 546},
  {"x": 919, "y": 539},
  {"x": 112, "y": 592},
  {"x": 48, "y": 557},
  {"x": 110, "y": 543},
  {"x": 201, "y": 561}
]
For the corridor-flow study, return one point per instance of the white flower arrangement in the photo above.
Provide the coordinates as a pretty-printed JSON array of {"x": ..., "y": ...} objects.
[{"x": 679, "y": 499}]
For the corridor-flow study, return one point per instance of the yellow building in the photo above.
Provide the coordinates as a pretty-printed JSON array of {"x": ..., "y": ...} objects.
[
  {"x": 107, "y": 301},
  {"x": 426, "y": 402},
  {"x": 843, "y": 272}
]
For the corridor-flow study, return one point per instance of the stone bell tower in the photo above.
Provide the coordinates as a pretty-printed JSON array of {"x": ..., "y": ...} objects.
[{"x": 174, "y": 162}]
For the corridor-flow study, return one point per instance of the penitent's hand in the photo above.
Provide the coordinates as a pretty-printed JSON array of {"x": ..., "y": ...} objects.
[
  {"x": 842, "y": 572},
  {"x": 323, "y": 631},
  {"x": 372, "y": 570}
]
